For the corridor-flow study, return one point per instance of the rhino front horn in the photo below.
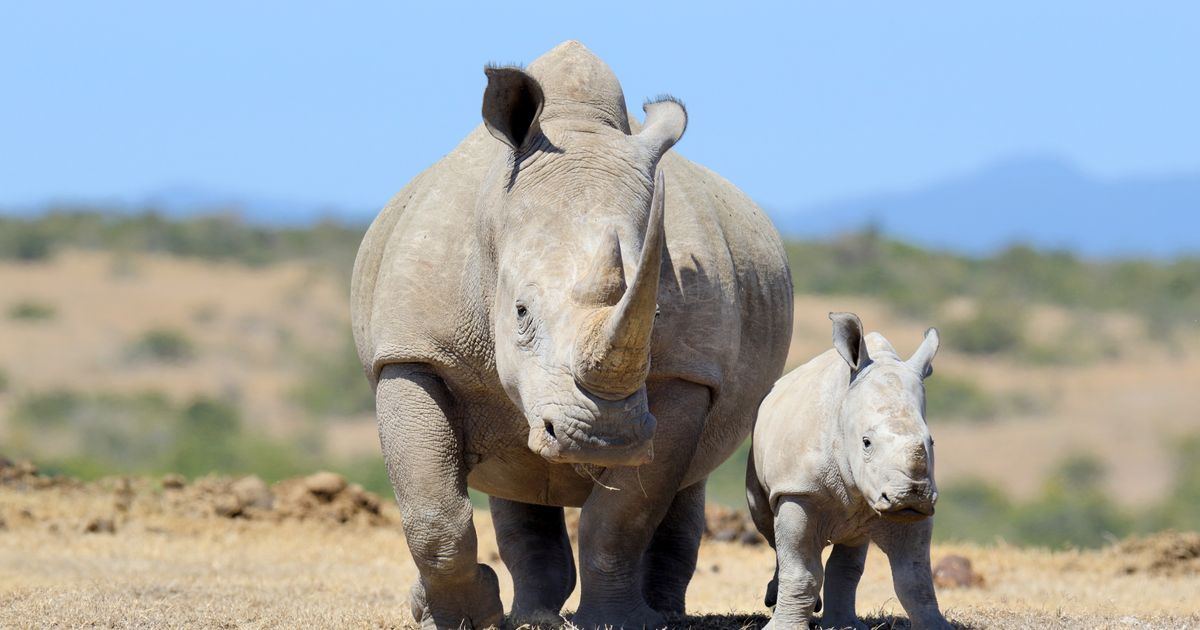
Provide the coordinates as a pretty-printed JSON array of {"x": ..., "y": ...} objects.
[{"x": 612, "y": 357}]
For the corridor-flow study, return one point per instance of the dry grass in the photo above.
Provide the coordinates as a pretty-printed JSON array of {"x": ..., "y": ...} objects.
[{"x": 163, "y": 569}]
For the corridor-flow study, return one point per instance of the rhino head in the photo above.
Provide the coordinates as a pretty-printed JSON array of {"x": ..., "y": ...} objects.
[
  {"x": 888, "y": 451},
  {"x": 572, "y": 222}
]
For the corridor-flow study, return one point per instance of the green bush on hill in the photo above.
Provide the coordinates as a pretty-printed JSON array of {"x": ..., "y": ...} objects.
[
  {"x": 31, "y": 311},
  {"x": 163, "y": 345}
]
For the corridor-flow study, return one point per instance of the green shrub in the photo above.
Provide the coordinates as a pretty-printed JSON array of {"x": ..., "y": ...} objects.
[
  {"x": 47, "y": 409},
  {"x": 972, "y": 511},
  {"x": 949, "y": 398},
  {"x": 163, "y": 345},
  {"x": 31, "y": 311},
  {"x": 1073, "y": 509},
  {"x": 992, "y": 330},
  {"x": 1181, "y": 508},
  {"x": 333, "y": 384}
]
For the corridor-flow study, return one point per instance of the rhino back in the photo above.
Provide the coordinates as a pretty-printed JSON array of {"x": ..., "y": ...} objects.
[
  {"x": 795, "y": 425},
  {"x": 725, "y": 302}
]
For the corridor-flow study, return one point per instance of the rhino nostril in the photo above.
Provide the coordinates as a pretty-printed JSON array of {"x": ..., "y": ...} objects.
[
  {"x": 885, "y": 498},
  {"x": 550, "y": 428}
]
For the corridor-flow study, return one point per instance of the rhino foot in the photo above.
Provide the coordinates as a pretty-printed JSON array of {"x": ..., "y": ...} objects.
[
  {"x": 468, "y": 606},
  {"x": 618, "y": 616}
]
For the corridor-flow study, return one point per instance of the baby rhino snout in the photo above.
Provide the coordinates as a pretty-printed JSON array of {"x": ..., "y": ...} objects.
[{"x": 907, "y": 501}]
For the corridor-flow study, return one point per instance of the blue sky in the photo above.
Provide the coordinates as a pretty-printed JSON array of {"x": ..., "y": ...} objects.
[{"x": 795, "y": 102}]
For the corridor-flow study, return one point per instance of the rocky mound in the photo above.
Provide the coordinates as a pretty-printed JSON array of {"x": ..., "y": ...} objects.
[
  {"x": 1165, "y": 554},
  {"x": 107, "y": 505}
]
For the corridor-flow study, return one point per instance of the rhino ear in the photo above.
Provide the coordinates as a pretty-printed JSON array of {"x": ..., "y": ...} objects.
[
  {"x": 849, "y": 340},
  {"x": 922, "y": 359},
  {"x": 666, "y": 120},
  {"x": 512, "y": 104}
]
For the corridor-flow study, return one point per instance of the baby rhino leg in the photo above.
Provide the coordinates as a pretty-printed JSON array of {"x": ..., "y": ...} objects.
[
  {"x": 907, "y": 549},
  {"x": 798, "y": 557},
  {"x": 842, "y": 573}
]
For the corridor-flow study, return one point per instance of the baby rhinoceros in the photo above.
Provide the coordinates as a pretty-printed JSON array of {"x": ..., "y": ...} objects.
[{"x": 842, "y": 455}]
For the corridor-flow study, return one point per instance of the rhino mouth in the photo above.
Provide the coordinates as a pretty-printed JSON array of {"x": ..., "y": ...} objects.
[
  {"x": 907, "y": 514},
  {"x": 566, "y": 436}
]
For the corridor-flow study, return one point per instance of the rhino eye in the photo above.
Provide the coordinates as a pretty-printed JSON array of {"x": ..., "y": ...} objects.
[
  {"x": 866, "y": 442},
  {"x": 522, "y": 311}
]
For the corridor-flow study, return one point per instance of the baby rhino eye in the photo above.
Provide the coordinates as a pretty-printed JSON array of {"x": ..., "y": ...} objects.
[
  {"x": 866, "y": 442},
  {"x": 521, "y": 311}
]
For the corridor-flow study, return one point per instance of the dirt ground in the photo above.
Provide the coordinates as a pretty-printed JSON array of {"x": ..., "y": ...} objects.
[{"x": 316, "y": 553}]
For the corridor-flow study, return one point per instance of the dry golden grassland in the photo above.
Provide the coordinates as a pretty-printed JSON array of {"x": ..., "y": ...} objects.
[{"x": 166, "y": 558}]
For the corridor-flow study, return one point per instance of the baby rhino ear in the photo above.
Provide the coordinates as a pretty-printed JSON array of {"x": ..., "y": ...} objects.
[
  {"x": 849, "y": 341},
  {"x": 922, "y": 359}
]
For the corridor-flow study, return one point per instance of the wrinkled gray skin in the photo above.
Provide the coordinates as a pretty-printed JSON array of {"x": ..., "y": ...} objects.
[
  {"x": 842, "y": 455},
  {"x": 547, "y": 321}
]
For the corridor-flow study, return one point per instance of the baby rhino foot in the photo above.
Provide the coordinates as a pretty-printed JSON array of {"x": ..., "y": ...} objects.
[
  {"x": 475, "y": 605},
  {"x": 842, "y": 622}
]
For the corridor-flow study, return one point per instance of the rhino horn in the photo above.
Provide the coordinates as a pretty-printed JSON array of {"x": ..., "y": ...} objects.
[
  {"x": 612, "y": 357},
  {"x": 604, "y": 283}
]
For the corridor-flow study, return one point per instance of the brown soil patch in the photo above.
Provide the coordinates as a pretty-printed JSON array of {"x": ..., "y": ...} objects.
[{"x": 1164, "y": 554}]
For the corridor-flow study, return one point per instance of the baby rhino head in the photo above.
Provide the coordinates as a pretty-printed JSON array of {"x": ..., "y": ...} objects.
[{"x": 888, "y": 449}]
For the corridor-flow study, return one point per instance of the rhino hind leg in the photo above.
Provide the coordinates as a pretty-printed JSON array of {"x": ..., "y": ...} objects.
[
  {"x": 843, "y": 570},
  {"x": 670, "y": 560},
  {"x": 534, "y": 546},
  {"x": 423, "y": 452}
]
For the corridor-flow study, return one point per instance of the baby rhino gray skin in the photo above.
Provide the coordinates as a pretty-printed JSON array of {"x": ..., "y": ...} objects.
[
  {"x": 842, "y": 455},
  {"x": 564, "y": 312}
]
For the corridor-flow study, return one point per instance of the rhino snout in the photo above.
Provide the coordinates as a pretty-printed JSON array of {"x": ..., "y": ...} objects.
[
  {"x": 612, "y": 434},
  {"x": 909, "y": 503}
]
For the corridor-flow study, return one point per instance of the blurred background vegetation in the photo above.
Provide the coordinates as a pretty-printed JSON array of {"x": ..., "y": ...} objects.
[{"x": 88, "y": 434}]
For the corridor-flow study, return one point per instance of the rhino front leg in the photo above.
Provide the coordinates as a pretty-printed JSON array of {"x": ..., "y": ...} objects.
[
  {"x": 798, "y": 562},
  {"x": 423, "y": 450},
  {"x": 843, "y": 571},
  {"x": 670, "y": 561},
  {"x": 618, "y": 521},
  {"x": 535, "y": 548},
  {"x": 907, "y": 549}
]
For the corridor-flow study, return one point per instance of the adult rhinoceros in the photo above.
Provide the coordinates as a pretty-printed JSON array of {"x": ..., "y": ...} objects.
[{"x": 546, "y": 323}]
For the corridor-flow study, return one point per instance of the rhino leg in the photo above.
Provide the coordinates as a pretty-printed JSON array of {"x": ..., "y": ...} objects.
[
  {"x": 907, "y": 549},
  {"x": 843, "y": 570},
  {"x": 423, "y": 451},
  {"x": 617, "y": 524},
  {"x": 670, "y": 561},
  {"x": 764, "y": 520},
  {"x": 798, "y": 556},
  {"x": 535, "y": 548}
]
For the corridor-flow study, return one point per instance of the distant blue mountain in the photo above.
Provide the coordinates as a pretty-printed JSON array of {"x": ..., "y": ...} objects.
[{"x": 1043, "y": 202}]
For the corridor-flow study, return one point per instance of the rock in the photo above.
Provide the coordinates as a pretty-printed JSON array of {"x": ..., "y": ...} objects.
[
  {"x": 100, "y": 525},
  {"x": 955, "y": 572},
  {"x": 173, "y": 481},
  {"x": 253, "y": 492},
  {"x": 227, "y": 505},
  {"x": 325, "y": 484},
  {"x": 750, "y": 537},
  {"x": 727, "y": 534}
]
